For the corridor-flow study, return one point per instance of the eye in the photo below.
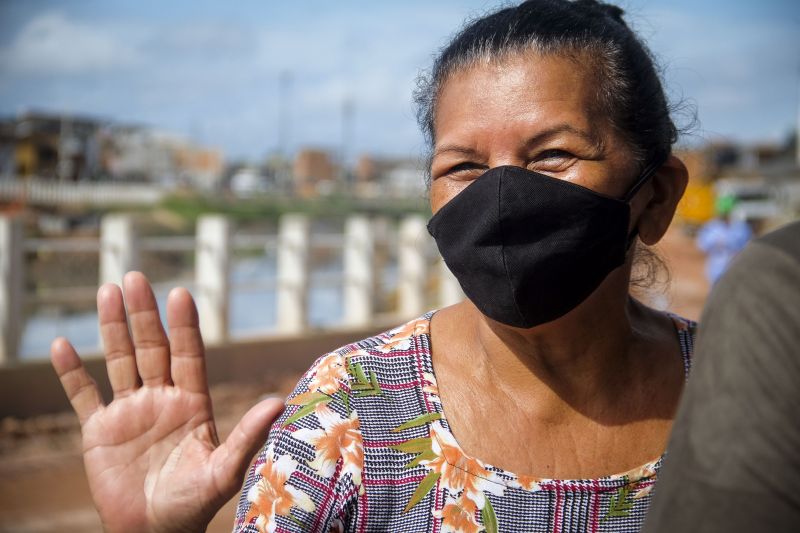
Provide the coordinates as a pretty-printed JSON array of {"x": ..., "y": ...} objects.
[
  {"x": 553, "y": 160},
  {"x": 464, "y": 168},
  {"x": 553, "y": 154}
]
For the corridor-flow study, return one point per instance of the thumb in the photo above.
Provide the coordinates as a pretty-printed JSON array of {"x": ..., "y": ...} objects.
[{"x": 230, "y": 460}]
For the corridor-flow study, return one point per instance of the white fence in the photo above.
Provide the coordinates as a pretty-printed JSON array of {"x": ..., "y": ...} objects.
[
  {"x": 48, "y": 192},
  {"x": 119, "y": 248}
]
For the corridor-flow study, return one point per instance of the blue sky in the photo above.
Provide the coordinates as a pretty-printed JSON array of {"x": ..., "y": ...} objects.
[{"x": 210, "y": 70}]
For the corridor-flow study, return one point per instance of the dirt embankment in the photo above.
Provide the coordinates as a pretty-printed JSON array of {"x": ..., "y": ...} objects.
[{"x": 43, "y": 487}]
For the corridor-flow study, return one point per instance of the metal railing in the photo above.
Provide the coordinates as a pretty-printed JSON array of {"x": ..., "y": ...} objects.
[{"x": 33, "y": 191}]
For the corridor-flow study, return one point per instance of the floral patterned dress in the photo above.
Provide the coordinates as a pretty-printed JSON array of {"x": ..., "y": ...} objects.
[{"x": 364, "y": 446}]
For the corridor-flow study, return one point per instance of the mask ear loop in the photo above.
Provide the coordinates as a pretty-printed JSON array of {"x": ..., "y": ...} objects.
[{"x": 645, "y": 176}]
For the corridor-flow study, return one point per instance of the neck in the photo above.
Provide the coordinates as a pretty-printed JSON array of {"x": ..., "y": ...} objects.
[{"x": 576, "y": 360}]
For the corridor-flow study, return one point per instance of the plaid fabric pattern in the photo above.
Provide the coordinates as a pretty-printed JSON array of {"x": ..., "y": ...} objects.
[{"x": 364, "y": 446}]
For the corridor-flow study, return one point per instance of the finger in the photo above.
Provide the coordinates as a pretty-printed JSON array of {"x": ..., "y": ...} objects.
[
  {"x": 149, "y": 340},
  {"x": 187, "y": 358},
  {"x": 230, "y": 460},
  {"x": 80, "y": 387},
  {"x": 117, "y": 344}
]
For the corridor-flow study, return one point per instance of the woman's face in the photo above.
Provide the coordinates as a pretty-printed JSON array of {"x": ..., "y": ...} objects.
[{"x": 531, "y": 111}]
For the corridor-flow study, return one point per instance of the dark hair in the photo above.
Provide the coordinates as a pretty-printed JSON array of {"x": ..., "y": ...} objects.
[{"x": 629, "y": 89}]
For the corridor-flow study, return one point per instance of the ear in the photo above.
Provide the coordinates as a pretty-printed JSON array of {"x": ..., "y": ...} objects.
[{"x": 667, "y": 187}]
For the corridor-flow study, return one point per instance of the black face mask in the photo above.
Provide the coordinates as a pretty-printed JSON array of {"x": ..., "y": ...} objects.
[{"x": 528, "y": 248}]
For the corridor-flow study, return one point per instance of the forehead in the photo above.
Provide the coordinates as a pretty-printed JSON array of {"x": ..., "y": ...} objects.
[{"x": 527, "y": 91}]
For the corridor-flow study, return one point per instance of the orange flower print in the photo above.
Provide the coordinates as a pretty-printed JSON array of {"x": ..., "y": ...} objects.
[
  {"x": 641, "y": 493},
  {"x": 339, "y": 438},
  {"x": 459, "y": 517},
  {"x": 271, "y": 495},
  {"x": 528, "y": 482},
  {"x": 458, "y": 471},
  {"x": 331, "y": 371},
  {"x": 400, "y": 338},
  {"x": 328, "y": 374},
  {"x": 645, "y": 471},
  {"x": 431, "y": 386}
]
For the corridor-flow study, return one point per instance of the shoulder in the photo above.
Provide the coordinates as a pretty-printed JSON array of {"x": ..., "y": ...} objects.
[
  {"x": 753, "y": 307},
  {"x": 785, "y": 240},
  {"x": 683, "y": 325},
  {"x": 348, "y": 401},
  {"x": 342, "y": 367},
  {"x": 765, "y": 272},
  {"x": 368, "y": 378}
]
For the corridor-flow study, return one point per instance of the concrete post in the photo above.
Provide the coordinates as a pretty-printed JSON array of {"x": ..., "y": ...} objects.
[
  {"x": 12, "y": 283},
  {"x": 449, "y": 289},
  {"x": 383, "y": 233},
  {"x": 293, "y": 276},
  {"x": 118, "y": 248},
  {"x": 212, "y": 265},
  {"x": 358, "y": 271},
  {"x": 411, "y": 267}
]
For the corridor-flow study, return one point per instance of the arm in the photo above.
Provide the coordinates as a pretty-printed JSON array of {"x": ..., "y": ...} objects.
[
  {"x": 308, "y": 475},
  {"x": 732, "y": 462},
  {"x": 152, "y": 456}
]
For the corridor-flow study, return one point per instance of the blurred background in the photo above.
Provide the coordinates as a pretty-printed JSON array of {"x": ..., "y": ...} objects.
[{"x": 267, "y": 156}]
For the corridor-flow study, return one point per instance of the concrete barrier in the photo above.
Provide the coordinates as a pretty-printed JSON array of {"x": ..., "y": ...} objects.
[{"x": 32, "y": 388}]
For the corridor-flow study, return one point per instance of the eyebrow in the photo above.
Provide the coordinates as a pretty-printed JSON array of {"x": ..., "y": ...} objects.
[{"x": 596, "y": 142}]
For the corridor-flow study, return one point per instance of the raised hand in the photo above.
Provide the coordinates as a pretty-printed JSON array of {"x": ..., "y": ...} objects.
[{"x": 152, "y": 455}]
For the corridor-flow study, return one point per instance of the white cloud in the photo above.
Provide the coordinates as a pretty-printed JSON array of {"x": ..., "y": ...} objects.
[
  {"x": 53, "y": 44},
  {"x": 220, "y": 74}
]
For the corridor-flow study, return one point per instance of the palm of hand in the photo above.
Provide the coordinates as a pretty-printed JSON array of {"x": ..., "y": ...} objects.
[
  {"x": 152, "y": 456},
  {"x": 158, "y": 441}
]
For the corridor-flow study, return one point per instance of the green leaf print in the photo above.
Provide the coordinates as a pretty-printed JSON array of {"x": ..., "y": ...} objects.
[
  {"x": 357, "y": 371},
  {"x": 424, "y": 488},
  {"x": 363, "y": 386},
  {"x": 421, "y": 420},
  {"x": 617, "y": 505},
  {"x": 420, "y": 445},
  {"x": 307, "y": 409},
  {"x": 421, "y": 449},
  {"x": 488, "y": 517},
  {"x": 428, "y": 455},
  {"x": 370, "y": 388}
]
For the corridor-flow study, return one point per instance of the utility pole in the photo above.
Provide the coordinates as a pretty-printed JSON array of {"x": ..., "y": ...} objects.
[
  {"x": 284, "y": 92},
  {"x": 348, "y": 111},
  {"x": 282, "y": 173},
  {"x": 65, "y": 148}
]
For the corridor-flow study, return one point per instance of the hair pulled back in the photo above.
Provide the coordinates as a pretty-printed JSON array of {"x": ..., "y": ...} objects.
[{"x": 629, "y": 91}]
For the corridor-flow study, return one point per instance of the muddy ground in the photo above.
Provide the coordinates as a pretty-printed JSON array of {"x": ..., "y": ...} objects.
[{"x": 42, "y": 484}]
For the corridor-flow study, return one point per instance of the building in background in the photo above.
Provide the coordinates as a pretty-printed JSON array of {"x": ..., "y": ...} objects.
[
  {"x": 8, "y": 147},
  {"x": 143, "y": 154},
  {"x": 51, "y": 146},
  {"x": 314, "y": 172},
  {"x": 401, "y": 177},
  {"x": 69, "y": 148},
  {"x": 763, "y": 178}
]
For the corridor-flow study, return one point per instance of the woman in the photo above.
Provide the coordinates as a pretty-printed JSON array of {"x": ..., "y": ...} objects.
[{"x": 543, "y": 402}]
